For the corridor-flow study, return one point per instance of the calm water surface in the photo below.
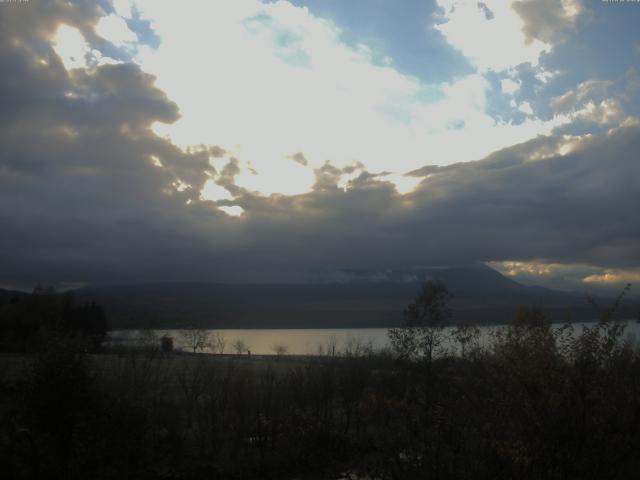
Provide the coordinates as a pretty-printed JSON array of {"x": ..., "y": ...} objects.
[{"x": 305, "y": 341}]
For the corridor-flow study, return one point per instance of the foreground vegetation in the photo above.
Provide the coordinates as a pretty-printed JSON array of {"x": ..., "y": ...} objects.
[{"x": 538, "y": 403}]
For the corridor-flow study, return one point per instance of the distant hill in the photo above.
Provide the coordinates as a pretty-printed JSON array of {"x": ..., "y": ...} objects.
[
  {"x": 481, "y": 294},
  {"x": 7, "y": 295}
]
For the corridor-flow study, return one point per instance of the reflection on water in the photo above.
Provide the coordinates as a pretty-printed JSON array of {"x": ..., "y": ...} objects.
[{"x": 305, "y": 341}]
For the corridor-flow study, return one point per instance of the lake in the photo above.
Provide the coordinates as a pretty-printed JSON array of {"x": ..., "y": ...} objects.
[{"x": 307, "y": 341}]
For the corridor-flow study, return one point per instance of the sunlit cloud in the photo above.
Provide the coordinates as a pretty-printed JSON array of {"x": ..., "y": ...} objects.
[
  {"x": 588, "y": 91},
  {"x": 156, "y": 162},
  {"x": 404, "y": 184},
  {"x": 502, "y": 34},
  {"x": 75, "y": 52},
  {"x": 566, "y": 275},
  {"x": 563, "y": 145},
  {"x": 491, "y": 42},
  {"x": 514, "y": 268},
  {"x": 283, "y": 118},
  {"x": 614, "y": 277},
  {"x": 276, "y": 175},
  {"x": 214, "y": 192},
  {"x": 604, "y": 113},
  {"x": 264, "y": 80},
  {"x": 71, "y": 47},
  {"x": 114, "y": 29},
  {"x": 233, "y": 210}
]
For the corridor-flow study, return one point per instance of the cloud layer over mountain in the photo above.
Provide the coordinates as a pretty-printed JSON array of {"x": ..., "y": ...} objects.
[{"x": 90, "y": 193}]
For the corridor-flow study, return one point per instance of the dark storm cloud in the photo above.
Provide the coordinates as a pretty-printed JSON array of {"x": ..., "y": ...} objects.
[
  {"x": 83, "y": 200},
  {"x": 581, "y": 207},
  {"x": 79, "y": 195},
  {"x": 574, "y": 208}
]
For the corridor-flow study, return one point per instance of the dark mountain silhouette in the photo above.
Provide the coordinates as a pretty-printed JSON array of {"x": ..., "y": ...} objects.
[
  {"x": 6, "y": 295},
  {"x": 481, "y": 294}
]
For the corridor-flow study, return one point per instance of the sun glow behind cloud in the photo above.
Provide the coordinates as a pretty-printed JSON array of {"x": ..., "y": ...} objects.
[
  {"x": 232, "y": 210},
  {"x": 76, "y": 53},
  {"x": 71, "y": 47},
  {"x": 276, "y": 114},
  {"x": 265, "y": 80}
]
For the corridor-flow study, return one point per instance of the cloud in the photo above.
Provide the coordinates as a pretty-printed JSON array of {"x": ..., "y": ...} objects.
[
  {"x": 509, "y": 86},
  {"x": 114, "y": 29},
  {"x": 498, "y": 41},
  {"x": 233, "y": 210},
  {"x": 516, "y": 268},
  {"x": 76, "y": 175},
  {"x": 90, "y": 193},
  {"x": 570, "y": 277},
  {"x": 212, "y": 191},
  {"x": 554, "y": 275},
  {"x": 614, "y": 277},
  {"x": 123, "y": 8},
  {"x": 548, "y": 20},
  {"x": 488, "y": 13},
  {"x": 293, "y": 85},
  {"x": 590, "y": 101},
  {"x": 606, "y": 112},
  {"x": 300, "y": 158},
  {"x": 590, "y": 90}
]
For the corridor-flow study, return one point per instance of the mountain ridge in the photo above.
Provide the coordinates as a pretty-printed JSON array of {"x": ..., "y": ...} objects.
[{"x": 480, "y": 294}]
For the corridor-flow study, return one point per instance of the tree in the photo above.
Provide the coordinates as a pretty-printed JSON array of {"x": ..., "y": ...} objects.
[
  {"x": 218, "y": 343},
  {"x": 147, "y": 339},
  {"x": 280, "y": 349},
  {"x": 239, "y": 346},
  {"x": 29, "y": 319},
  {"x": 467, "y": 335},
  {"x": 166, "y": 344},
  {"x": 88, "y": 321},
  {"x": 195, "y": 338},
  {"x": 424, "y": 321}
]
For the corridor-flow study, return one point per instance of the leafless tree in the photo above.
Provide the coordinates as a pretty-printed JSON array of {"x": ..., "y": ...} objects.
[
  {"x": 239, "y": 346},
  {"x": 218, "y": 343},
  {"x": 280, "y": 349},
  {"x": 195, "y": 338},
  {"x": 467, "y": 335}
]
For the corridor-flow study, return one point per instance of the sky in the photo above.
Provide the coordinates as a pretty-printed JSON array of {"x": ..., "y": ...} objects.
[{"x": 305, "y": 140}]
